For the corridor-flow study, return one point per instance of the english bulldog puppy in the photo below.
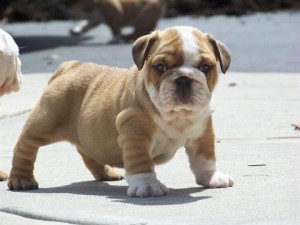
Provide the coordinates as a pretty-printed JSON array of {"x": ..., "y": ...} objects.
[
  {"x": 132, "y": 118},
  {"x": 141, "y": 15},
  {"x": 10, "y": 70}
]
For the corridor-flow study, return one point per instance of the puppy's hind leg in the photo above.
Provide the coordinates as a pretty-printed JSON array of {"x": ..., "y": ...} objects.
[
  {"x": 43, "y": 127},
  {"x": 99, "y": 171}
]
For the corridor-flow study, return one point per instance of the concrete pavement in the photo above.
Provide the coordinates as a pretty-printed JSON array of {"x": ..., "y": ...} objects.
[{"x": 256, "y": 144}]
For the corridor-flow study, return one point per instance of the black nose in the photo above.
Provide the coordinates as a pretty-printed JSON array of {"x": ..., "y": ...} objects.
[
  {"x": 183, "y": 88},
  {"x": 183, "y": 81}
]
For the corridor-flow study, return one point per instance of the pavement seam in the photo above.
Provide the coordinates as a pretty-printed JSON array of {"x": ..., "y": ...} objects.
[
  {"x": 36, "y": 217},
  {"x": 15, "y": 114}
]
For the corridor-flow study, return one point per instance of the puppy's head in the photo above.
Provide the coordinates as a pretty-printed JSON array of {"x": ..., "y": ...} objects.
[{"x": 180, "y": 67}]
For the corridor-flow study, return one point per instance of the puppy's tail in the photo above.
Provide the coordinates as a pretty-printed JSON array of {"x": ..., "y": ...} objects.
[{"x": 63, "y": 67}]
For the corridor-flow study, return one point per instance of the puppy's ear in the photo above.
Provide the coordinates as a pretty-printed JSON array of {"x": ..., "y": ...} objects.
[
  {"x": 141, "y": 48},
  {"x": 221, "y": 51}
]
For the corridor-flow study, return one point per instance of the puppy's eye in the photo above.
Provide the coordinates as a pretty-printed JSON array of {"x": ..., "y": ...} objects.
[
  {"x": 204, "y": 68},
  {"x": 160, "y": 67}
]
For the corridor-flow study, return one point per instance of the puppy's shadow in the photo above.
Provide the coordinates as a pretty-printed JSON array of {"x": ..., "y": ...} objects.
[
  {"x": 32, "y": 43},
  {"x": 36, "y": 43},
  {"x": 117, "y": 193}
]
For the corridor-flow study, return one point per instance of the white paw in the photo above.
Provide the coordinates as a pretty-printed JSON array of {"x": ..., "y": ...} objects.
[
  {"x": 215, "y": 180},
  {"x": 145, "y": 185}
]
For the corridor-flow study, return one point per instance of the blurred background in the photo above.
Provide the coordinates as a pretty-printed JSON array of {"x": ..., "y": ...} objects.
[
  {"x": 27, "y": 10},
  {"x": 262, "y": 35}
]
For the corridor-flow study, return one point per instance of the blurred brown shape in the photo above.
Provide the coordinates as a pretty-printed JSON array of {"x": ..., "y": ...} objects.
[{"x": 23, "y": 10}]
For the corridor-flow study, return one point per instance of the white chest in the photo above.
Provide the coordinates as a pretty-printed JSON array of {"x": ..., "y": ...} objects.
[{"x": 175, "y": 133}]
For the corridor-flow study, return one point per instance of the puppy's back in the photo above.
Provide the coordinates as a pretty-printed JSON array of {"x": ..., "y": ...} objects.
[
  {"x": 67, "y": 89},
  {"x": 64, "y": 68}
]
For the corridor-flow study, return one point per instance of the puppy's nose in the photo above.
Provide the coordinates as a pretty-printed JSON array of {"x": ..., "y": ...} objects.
[
  {"x": 183, "y": 88},
  {"x": 183, "y": 81}
]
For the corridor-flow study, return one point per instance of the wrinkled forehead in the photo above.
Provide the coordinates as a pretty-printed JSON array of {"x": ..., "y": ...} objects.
[{"x": 185, "y": 41}]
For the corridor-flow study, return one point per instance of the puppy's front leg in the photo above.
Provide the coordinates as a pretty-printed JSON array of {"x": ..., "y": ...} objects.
[
  {"x": 135, "y": 138},
  {"x": 202, "y": 160}
]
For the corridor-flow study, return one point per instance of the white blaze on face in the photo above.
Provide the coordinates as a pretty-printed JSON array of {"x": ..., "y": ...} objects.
[
  {"x": 189, "y": 44},
  {"x": 191, "y": 50}
]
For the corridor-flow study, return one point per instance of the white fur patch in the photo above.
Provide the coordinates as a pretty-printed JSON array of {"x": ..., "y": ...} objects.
[
  {"x": 7, "y": 44},
  {"x": 145, "y": 185},
  {"x": 10, "y": 64},
  {"x": 206, "y": 173},
  {"x": 189, "y": 44},
  {"x": 153, "y": 93}
]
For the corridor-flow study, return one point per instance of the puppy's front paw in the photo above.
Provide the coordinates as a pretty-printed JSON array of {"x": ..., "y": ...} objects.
[
  {"x": 145, "y": 185},
  {"x": 17, "y": 183},
  {"x": 215, "y": 180}
]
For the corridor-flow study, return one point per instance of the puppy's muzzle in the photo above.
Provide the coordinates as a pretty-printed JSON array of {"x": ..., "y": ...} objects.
[{"x": 183, "y": 89}]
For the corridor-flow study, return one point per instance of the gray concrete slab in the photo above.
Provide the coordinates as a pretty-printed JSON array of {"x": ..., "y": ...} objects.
[{"x": 256, "y": 144}]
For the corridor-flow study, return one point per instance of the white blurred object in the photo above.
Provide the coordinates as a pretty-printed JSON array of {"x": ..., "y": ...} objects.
[{"x": 10, "y": 64}]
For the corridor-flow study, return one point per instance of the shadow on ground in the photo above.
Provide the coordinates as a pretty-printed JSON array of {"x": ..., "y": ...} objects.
[
  {"x": 29, "y": 44},
  {"x": 118, "y": 193}
]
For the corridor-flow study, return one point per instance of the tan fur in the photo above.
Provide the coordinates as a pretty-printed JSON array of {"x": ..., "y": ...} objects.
[
  {"x": 3, "y": 176},
  {"x": 108, "y": 115}
]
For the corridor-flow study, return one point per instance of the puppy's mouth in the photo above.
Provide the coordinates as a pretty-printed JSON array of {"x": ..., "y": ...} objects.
[
  {"x": 183, "y": 96},
  {"x": 181, "y": 112}
]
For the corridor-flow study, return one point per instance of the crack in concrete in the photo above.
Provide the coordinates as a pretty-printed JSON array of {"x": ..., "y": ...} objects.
[{"x": 15, "y": 114}]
